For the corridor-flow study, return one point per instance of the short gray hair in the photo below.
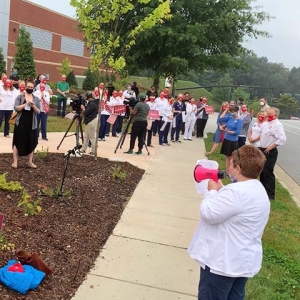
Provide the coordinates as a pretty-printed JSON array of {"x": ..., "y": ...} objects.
[{"x": 276, "y": 110}]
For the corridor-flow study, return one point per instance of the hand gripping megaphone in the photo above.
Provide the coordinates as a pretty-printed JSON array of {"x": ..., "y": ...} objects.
[{"x": 201, "y": 173}]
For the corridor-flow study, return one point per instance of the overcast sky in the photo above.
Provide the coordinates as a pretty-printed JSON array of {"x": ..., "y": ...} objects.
[{"x": 282, "y": 47}]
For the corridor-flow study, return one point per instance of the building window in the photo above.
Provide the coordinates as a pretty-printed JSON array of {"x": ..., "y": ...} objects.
[
  {"x": 72, "y": 46},
  {"x": 40, "y": 38}
]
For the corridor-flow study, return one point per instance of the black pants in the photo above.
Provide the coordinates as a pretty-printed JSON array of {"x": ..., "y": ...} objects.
[
  {"x": 267, "y": 177},
  {"x": 242, "y": 141},
  {"x": 138, "y": 130},
  {"x": 149, "y": 135},
  {"x": 201, "y": 123}
]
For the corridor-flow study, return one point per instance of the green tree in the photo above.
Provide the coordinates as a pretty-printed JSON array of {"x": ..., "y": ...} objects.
[
  {"x": 65, "y": 68},
  {"x": 89, "y": 82},
  {"x": 240, "y": 93},
  {"x": 24, "y": 59},
  {"x": 2, "y": 62},
  {"x": 222, "y": 94},
  {"x": 201, "y": 35},
  {"x": 287, "y": 105},
  {"x": 111, "y": 27},
  {"x": 71, "y": 79}
]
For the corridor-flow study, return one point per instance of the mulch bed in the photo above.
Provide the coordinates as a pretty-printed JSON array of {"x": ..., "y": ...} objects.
[{"x": 67, "y": 237}]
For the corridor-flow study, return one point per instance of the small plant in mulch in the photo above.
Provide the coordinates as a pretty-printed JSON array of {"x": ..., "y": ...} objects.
[
  {"x": 117, "y": 172},
  {"x": 42, "y": 153},
  {"x": 47, "y": 191},
  {"x": 6, "y": 248},
  {"x": 13, "y": 186},
  {"x": 30, "y": 206}
]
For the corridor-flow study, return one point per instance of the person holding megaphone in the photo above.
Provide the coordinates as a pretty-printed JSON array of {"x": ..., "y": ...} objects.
[{"x": 227, "y": 242}]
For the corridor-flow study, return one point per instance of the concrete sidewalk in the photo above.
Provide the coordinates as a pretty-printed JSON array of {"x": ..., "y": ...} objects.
[{"x": 146, "y": 256}]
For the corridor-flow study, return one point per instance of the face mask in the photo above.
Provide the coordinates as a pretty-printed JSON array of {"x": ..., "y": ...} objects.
[
  {"x": 271, "y": 118},
  {"x": 120, "y": 94},
  {"x": 244, "y": 109},
  {"x": 42, "y": 88},
  {"x": 224, "y": 107},
  {"x": 204, "y": 102},
  {"x": 8, "y": 84},
  {"x": 261, "y": 103},
  {"x": 4, "y": 79},
  {"x": 115, "y": 95},
  {"x": 44, "y": 81},
  {"x": 151, "y": 99},
  {"x": 171, "y": 102},
  {"x": 101, "y": 87},
  {"x": 192, "y": 102},
  {"x": 29, "y": 90},
  {"x": 261, "y": 119},
  {"x": 22, "y": 88},
  {"x": 63, "y": 79},
  {"x": 180, "y": 99},
  {"x": 186, "y": 97}
]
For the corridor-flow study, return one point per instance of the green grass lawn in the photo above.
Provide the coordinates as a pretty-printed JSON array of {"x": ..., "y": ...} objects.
[{"x": 279, "y": 278}]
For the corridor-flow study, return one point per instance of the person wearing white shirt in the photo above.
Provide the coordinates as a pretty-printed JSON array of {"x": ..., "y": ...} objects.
[
  {"x": 152, "y": 106},
  {"x": 227, "y": 242},
  {"x": 167, "y": 117},
  {"x": 128, "y": 94},
  {"x": 42, "y": 117},
  {"x": 255, "y": 131},
  {"x": 104, "y": 115},
  {"x": 121, "y": 116},
  {"x": 161, "y": 102},
  {"x": 190, "y": 119},
  {"x": 8, "y": 94},
  {"x": 271, "y": 137},
  {"x": 114, "y": 100}
]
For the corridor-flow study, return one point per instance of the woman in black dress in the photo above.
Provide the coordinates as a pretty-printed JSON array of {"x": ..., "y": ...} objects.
[{"x": 25, "y": 137}]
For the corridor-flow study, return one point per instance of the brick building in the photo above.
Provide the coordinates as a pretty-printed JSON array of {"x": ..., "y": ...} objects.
[{"x": 54, "y": 36}]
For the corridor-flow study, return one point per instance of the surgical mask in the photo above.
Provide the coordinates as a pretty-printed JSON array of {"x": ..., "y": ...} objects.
[
  {"x": 244, "y": 109},
  {"x": 63, "y": 79},
  {"x": 29, "y": 91},
  {"x": 261, "y": 103},
  {"x": 8, "y": 84},
  {"x": 42, "y": 88},
  {"x": 271, "y": 118},
  {"x": 22, "y": 88},
  {"x": 261, "y": 118}
]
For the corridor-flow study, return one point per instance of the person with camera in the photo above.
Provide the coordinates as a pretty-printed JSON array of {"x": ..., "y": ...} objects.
[
  {"x": 139, "y": 126},
  {"x": 232, "y": 126},
  {"x": 90, "y": 112},
  {"x": 227, "y": 242},
  {"x": 128, "y": 95}
]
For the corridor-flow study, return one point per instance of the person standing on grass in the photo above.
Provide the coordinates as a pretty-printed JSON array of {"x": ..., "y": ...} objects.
[
  {"x": 247, "y": 119},
  {"x": 63, "y": 89},
  {"x": 139, "y": 126},
  {"x": 272, "y": 136},
  {"x": 227, "y": 242},
  {"x": 219, "y": 133},
  {"x": 232, "y": 127}
]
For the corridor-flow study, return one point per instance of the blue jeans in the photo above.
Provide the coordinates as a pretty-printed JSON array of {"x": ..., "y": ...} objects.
[
  {"x": 217, "y": 287},
  {"x": 63, "y": 102},
  {"x": 5, "y": 114},
  {"x": 42, "y": 119},
  {"x": 103, "y": 126},
  {"x": 176, "y": 131}
]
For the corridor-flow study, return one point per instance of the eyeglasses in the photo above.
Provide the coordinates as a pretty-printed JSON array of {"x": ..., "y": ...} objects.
[{"x": 29, "y": 87}]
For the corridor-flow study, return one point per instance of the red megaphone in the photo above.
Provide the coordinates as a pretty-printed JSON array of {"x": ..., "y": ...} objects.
[{"x": 201, "y": 173}]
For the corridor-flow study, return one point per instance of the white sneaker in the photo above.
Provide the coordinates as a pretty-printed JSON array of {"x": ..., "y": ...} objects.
[{"x": 185, "y": 138}]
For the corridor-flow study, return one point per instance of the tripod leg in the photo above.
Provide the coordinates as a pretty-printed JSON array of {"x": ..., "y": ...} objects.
[
  {"x": 146, "y": 147},
  {"x": 81, "y": 131},
  {"x": 66, "y": 132},
  {"x": 123, "y": 135}
]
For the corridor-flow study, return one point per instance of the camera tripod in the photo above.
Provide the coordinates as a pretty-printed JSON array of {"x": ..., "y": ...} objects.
[
  {"x": 123, "y": 136},
  {"x": 60, "y": 191},
  {"x": 78, "y": 120}
]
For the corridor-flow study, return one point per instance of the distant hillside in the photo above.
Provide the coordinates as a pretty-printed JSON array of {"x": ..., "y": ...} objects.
[{"x": 144, "y": 84}]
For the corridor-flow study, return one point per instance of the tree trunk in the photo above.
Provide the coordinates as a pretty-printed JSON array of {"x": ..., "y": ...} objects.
[{"x": 156, "y": 80}]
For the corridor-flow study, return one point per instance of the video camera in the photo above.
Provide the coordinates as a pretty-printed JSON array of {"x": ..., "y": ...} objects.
[
  {"x": 77, "y": 102},
  {"x": 133, "y": 101}
]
